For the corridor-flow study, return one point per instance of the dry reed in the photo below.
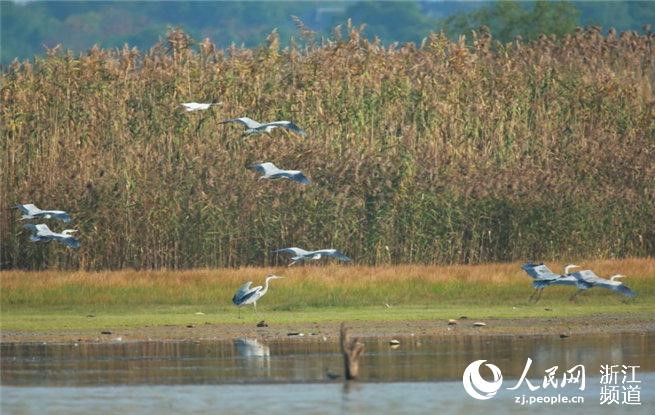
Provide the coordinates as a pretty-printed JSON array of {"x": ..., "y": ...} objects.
[{"x": 443, "y": 153}]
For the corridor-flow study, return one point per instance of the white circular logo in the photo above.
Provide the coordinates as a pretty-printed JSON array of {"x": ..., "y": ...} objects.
[{"x": 477, "y": 387}]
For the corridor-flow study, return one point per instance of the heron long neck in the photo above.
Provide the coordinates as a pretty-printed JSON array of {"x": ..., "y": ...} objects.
[
  {"x": 568, "y": 268},
  {"x": 263, "y": 291}
]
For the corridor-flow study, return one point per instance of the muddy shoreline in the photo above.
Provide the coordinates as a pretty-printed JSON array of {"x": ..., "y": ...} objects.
[{"x": 329, "y": 331}]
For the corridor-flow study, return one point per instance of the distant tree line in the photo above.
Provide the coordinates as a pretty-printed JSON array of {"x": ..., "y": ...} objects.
[{"x": 29, "y": 27}]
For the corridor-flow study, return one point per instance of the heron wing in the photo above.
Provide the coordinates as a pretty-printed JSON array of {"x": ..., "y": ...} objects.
[
  {"x": 28, "y": 209},
  {"x": 258, "y": 167},
  {"x": 539, "y": 271},
  {"x": 625, "y": 290},
  {"x": 299, "y": 177},
  {"x": 40, "y": 230},
  {"x": 295, "y": 175},
  {"x": 538, "y": 283},
  {"x": 248, "y": 122},
  {"x": 31, "y": 227},
  {"x": 333, "y": 253},
  {"x": 564, "y": 280},
  {"x": 588, "y": 276},
  {"x": 246, "y": 296},
  {"x": 43, "y": 229},
  {"x": 617, "y": 286},
  {"x": 293, "y": 250},
  {"x": 288, "y": 125},
  {"x": 266, "y": 169},
  {"x": 242, "y": 291},
  {"x": 250, "y": 295},
  {"x": 69, "y": 241},
  {"x": 61, "y": 215},
  {"x": 37, "y": 234}
]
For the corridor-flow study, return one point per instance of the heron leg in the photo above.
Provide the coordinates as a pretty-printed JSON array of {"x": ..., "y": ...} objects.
[
  {"x": 255, "y": 305},
  {"x": 539, "y": 295},
  {"x": 534, "y": 292}
]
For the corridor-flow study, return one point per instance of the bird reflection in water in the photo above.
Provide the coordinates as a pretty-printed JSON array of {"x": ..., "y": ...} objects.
[
  {"x": 251, "y": 348},
  {"x": 254, "y": 353}
]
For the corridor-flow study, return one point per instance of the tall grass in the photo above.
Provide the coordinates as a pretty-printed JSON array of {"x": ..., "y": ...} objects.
[
  {"x": 443, "y": 153},
  {"x": 307, "y": 287}
]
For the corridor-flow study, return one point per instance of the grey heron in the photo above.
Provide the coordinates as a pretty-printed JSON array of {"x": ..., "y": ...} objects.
[
  {"x": 271, "y": 171},
  {"x": 249, "y": 295},
  {"x": 542, "y": 277},
  {"x": 254, "y": 127},
  {"x": 198, "y": 106},
  {"x": 588, "y": 279},
  {"x": 41, "y": 232},
  {"x": 303, "y": 255},
  {"x": 30, "y": 211}
]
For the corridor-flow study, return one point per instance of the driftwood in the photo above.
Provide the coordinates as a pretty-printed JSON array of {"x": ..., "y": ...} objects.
[{"x": 352, "y": 349}]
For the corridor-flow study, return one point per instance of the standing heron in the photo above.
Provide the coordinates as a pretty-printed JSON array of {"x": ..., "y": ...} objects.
[
  {"x": 588, "y": 279},
  {"x": 542, "y": 277},
  {"x": 198, "y": 106},
  {"x": 249, "y": 295},
  {"x": 300, "y": 255},
  {"x": 271, "y": 171},
  {"x": 254, "y": 127},
  {"x": 41, "y": 232},
  {"x": 30, "y": 211}
]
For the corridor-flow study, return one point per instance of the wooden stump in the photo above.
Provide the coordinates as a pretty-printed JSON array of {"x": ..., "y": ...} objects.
[{"x": 352, "y": 349}]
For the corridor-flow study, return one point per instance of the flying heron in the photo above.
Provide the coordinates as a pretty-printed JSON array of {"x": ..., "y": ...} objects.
[
  {"x": 249, "y": 295},
  {"x": 303, "y": 255},
  {"x": 41, "y": 232},
  {"x": 542, "y": 277},
  {"x": 588, "y": 279},
  {"x": 30, "y": 211},
  {"x": 198, "y": 106},
  {"x": 254, "y": 127},
  {"x": 271, "y": 171}
]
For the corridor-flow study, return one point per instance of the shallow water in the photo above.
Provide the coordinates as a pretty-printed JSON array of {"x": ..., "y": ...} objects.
[{"x": 422, "y": 375}]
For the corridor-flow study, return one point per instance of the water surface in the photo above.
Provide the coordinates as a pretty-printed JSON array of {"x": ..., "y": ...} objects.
[{"x": 422, "y": 375}]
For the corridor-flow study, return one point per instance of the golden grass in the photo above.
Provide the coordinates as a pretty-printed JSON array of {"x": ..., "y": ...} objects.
[
  {"x": 323, "y": 284},
  {"x": 332, "y": 275}
]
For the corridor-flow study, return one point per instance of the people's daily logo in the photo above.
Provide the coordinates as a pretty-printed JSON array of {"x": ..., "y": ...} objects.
[
  {"x": 476, "y": 386},
  {"x": 619, "y": 384}
]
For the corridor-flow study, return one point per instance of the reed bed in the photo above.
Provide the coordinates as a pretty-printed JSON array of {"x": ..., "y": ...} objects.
[
  {"x": 446, "y": 152},
  {"x": 307, "y": 287}
]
